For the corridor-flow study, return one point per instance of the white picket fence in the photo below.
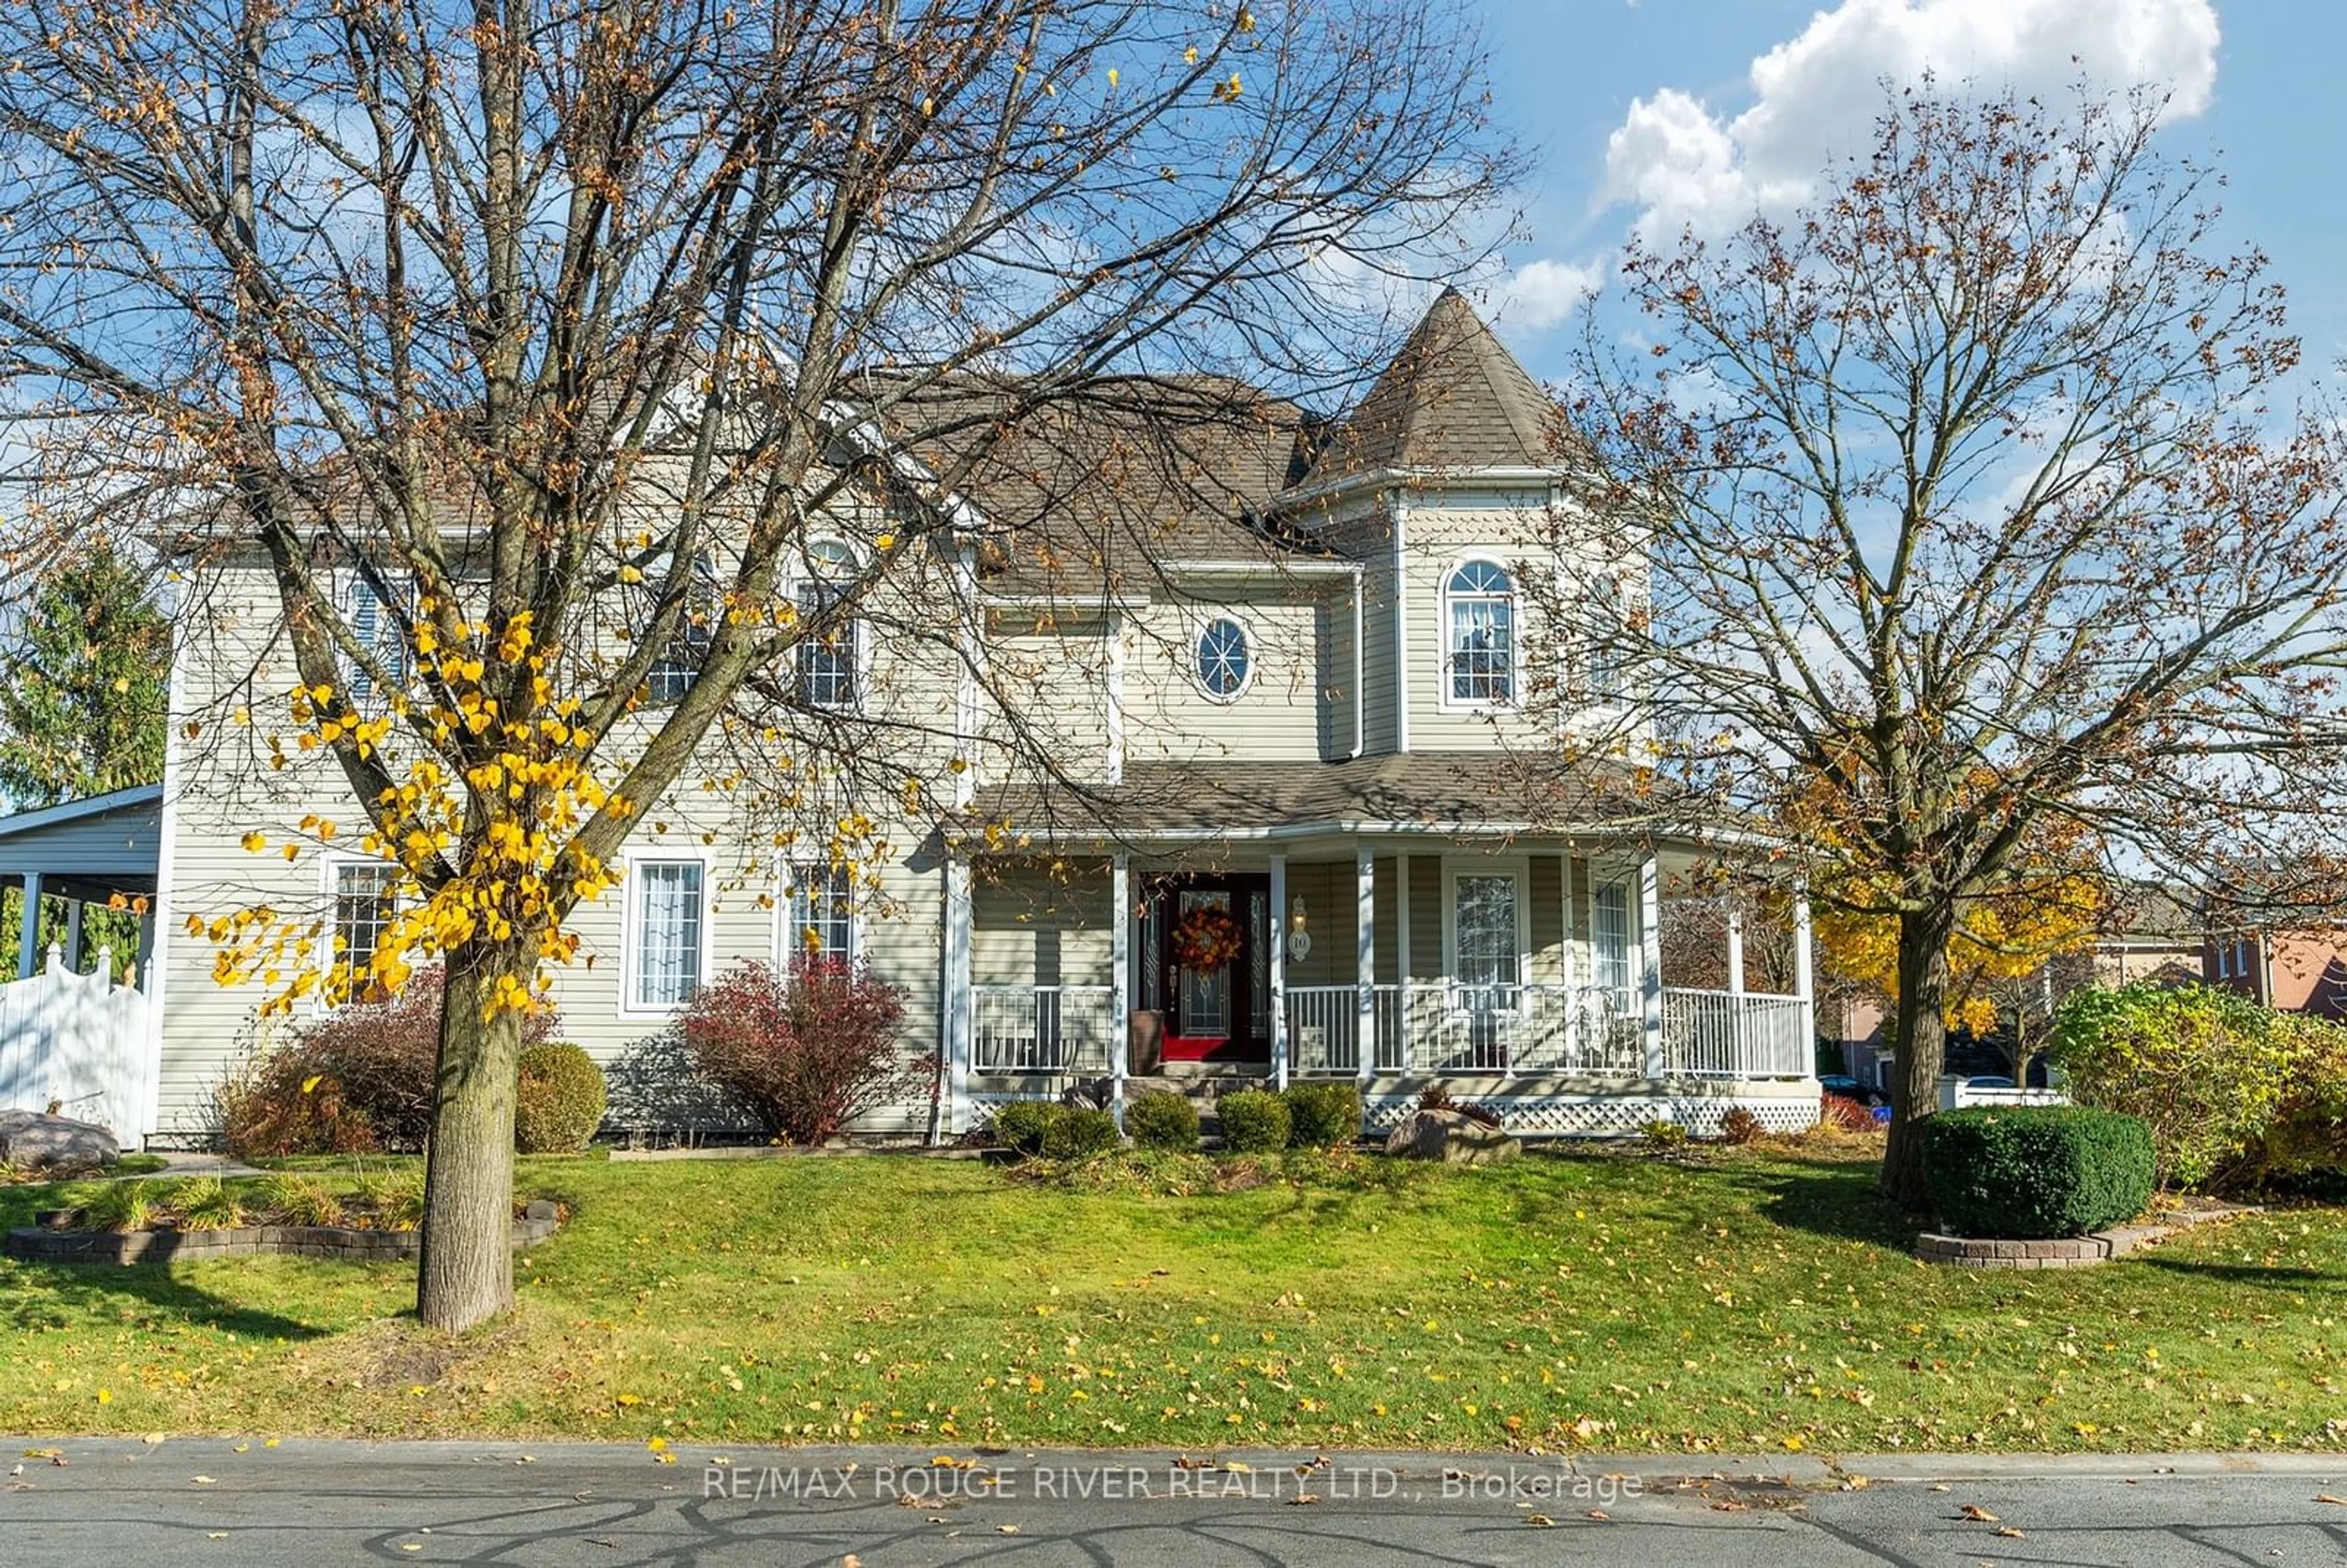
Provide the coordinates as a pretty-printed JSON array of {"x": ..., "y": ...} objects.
[{"x": 79, "y": 1040}]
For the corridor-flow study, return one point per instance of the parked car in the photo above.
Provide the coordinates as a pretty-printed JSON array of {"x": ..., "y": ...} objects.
[
  {"x": 1842, "y": 1083},
  {"x": 1990, "y": 1081}
]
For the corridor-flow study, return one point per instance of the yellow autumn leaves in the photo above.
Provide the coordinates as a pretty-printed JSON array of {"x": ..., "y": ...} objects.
[{"x": 478, "y": 832}]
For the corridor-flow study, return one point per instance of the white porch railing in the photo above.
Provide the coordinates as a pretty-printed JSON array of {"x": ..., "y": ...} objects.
[
  {"x": 1041, "y": 1028},
  {"x": 79, "y": 1040},
  {"x": 1729, "y": 1034},
  {"x": 1440, "y": 1027}
]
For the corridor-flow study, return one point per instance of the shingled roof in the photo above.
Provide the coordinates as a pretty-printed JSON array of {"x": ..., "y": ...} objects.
[
  {"x": 1455, "y": 794},
  {"x": 1454, "y": 397}
]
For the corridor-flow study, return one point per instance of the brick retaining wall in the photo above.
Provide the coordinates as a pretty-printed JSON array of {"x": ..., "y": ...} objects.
[
  {"x": 2062, "y": 1252},
  {"x": 44, "y": 1244}
]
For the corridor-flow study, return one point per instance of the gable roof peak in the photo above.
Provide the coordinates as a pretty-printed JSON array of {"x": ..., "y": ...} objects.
[{"x": 1454, "y": 397}]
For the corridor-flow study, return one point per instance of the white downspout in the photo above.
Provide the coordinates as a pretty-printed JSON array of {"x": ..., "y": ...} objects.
[
  {"x": 1360, "y": 696},
  {"x": 1401, "y": 621}
]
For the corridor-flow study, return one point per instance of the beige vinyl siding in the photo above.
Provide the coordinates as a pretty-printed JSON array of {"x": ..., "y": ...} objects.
[
  {"x": 1340, "y": 696},
  {"x": 1031, "y": 926},
  {"x": 1544, "y": 887},
  {"x": 1052, "y": 696},
  {"x": 225, "y": 787},
  {"x": 1426, "y": 892},
  {"x": 1274, "y": 717},
  {"x": 1329, "y": 894},
  {"x": 1493, "y": 526}
]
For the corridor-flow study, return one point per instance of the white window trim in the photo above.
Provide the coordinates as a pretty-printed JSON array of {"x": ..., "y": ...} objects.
[
  {"x": 801, "y": 578},
  {"x": 1518, "y": 868},
  {"x": 330, "y": 871},
  {"x": 1445, "y": 701},
  {"x": 704, "y": 580},
  {"x": 1206, "y": 621},
  {"x": 1626, "y": 877},
  {"x": 630, "y": 920},
  {"x": 787, "y": 946}
]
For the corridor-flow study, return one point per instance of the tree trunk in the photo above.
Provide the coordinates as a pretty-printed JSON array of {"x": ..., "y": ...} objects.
[
  {"x": 1918, "y": 1052},
  {"x": 467, "y": 1272}
]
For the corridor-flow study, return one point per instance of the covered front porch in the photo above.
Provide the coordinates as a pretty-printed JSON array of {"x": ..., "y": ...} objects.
[{"x": 1528, "y": 974}]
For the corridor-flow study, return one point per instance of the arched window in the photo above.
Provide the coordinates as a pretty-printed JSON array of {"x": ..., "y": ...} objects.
[
  {"x": 1481, "y": 600},
  {"x": 1224, "y": 661},
  {"x": 827, "y": 649}
]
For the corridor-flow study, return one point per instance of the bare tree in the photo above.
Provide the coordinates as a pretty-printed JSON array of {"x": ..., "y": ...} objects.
[
  {"x": 1972, "y": 519},
  {"x": 566, "y": 330}
]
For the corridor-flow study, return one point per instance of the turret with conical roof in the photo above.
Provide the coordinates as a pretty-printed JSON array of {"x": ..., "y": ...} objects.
[{"x": 1454, "y": 397}]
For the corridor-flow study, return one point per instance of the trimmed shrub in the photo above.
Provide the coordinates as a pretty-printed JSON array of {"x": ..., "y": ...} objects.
[
  {"x": 806, "y": 1052},
  {"x": 1079, "y": 1130},
  {"x": 2205, "y": 1071},
  {"x": 2024, "y": 1172},
  {"x": 558, "y": 1103},
  {"x": 1323, "y": 1113},
  {"x": 1020, "y": 1126},
  {"x": 1163, "y": 1121},
  {"x": 1255, "y": 1122}
]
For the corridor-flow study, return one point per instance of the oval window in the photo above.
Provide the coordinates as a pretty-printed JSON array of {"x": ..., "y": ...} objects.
[{"x": 1223, "y": 658}]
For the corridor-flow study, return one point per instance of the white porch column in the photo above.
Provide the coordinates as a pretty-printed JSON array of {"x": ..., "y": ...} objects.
[
  {"x": 1805, "y": 978},
  {"x": 1737, "y": 1035},
  {"x": 1650, "y": 959},
  {"x": 1569, "y": 967},
  {"x": 1120, "y": 986},
  {"x": 73, "y": 934},
  {"x": 1279, "y": 971},
  {"x": 1365, "y": 968},
  {"x": 28, "y": 939},
  {"x": 953, "y": 1014}
]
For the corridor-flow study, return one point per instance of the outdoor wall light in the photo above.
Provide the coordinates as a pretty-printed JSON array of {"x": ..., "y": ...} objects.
[{"x": 1299, "y": 940}]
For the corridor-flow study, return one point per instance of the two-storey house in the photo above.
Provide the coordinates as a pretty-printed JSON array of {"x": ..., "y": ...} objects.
[{"x": 1313, "y": 807}]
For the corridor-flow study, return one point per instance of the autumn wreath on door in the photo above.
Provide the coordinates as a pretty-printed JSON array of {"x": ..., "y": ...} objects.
[{"x": 1206, "y": 938}]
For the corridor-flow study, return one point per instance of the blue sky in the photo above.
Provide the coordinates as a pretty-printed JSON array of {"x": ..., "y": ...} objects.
[{"x": 2257, "y": 86}]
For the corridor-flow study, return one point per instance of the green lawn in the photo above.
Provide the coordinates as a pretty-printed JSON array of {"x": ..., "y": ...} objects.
[{"x": 1763, "y": 1301}]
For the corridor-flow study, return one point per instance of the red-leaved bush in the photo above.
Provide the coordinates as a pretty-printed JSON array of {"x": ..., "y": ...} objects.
[
  {"x": 1846, "y": 1113},
  {"x": 804, "y": 1053}
]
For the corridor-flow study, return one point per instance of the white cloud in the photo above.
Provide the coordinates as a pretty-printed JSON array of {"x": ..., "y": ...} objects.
[
  {"x": 1540, "y": 294},
  {"x": 1683, "y": 164}
]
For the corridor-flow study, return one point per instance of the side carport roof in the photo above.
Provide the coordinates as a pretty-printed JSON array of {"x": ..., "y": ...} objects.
[{"x": 87, "y": 848}]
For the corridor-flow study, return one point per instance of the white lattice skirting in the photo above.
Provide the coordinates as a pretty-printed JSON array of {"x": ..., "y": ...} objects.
[
  {"x": 1616, "y": 1115},
  {"x": 1562, "y": 1115}
]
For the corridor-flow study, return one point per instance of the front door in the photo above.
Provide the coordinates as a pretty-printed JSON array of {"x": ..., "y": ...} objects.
[{"x": 1216, "y": 1011}]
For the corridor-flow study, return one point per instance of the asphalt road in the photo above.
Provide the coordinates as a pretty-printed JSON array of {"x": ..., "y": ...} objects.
[{"x": 303, "y": 1504}]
